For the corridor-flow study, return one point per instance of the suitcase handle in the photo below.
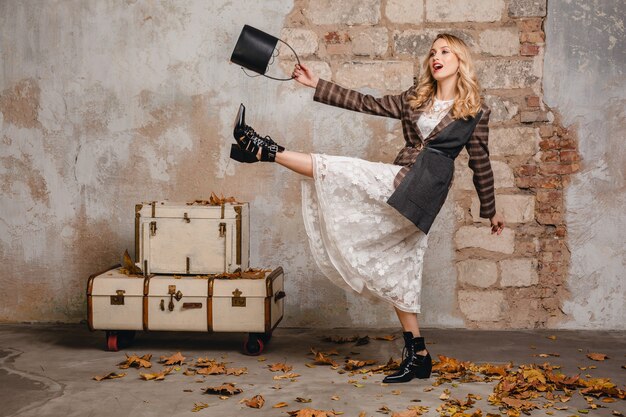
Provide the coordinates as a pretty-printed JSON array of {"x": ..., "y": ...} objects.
[{"x": 279, "y": 295}]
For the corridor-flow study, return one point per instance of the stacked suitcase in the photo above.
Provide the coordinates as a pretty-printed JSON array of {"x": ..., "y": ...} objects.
[{"x": 195, "y": 276}]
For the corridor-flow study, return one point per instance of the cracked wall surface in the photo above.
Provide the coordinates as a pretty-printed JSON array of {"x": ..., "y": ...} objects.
[
  {"x": 106, "y": 104},
  {"x": 585, "y": 79}
]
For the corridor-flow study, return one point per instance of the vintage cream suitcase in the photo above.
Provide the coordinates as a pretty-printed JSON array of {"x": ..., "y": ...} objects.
[
  {"x": 115, "y": 304},
  {"x": 186, "y": 238},
  {"x": 121, "y": 304},
  {"x": 248, "y": 305},
  {"x": 176, "y": 303}
]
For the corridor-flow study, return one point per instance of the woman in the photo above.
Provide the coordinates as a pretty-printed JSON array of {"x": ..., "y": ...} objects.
[{"x": 361, "y": 216}]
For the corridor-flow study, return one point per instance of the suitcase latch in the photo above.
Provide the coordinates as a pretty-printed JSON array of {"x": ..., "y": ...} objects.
[
  {"x": 222, "y": 229},
  {"x": 171, "y": 290},
  {"x": 153, "y": 228},
  {"x": 238, "y": 300},
  {"x": 118, "y": 300}
]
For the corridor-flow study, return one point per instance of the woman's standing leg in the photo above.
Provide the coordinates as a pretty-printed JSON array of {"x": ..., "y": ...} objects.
[
  {"x": 409, "y": 324},
  {"x": 417, "y": 363}
]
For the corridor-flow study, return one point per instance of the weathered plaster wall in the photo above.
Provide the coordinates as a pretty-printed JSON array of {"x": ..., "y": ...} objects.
[
  {"x": 585, "y": 80},
  {"x": 105, "y": 104}
]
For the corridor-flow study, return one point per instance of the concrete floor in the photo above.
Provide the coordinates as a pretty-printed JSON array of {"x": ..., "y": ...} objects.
[{"x": 47, "y": 370}]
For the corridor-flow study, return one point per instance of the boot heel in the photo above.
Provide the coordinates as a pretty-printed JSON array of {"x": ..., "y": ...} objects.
[
  {"x": 425, "y": 369},
  {"x": 240, "y": 155}
]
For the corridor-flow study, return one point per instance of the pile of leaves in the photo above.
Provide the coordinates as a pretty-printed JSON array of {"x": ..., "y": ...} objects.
[
  {"x": 250, "y": 273},
  {"x": 526, "y": 388},
  {"x": 518, "y": 387},
  {"x": 213, "y": 200}
]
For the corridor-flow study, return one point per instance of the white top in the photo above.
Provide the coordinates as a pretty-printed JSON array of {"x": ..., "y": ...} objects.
[{"x": 427, "y": 121}]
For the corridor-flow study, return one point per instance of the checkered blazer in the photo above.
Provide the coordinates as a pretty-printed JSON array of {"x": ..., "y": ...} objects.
[{"x": 398, "y": 107}]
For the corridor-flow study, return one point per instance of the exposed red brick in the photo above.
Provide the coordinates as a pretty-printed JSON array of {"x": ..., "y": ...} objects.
[
  {"x": 570, "y": 156},
  {"x": 528, "y": 49},
  {"x": 530, "y": 25},
  {"x": 549, "y": 168},
  {"x": 533, "y": 101},
  {"x": 532, "y": 37},
  {"x": 524, "y": 182},
  {"x": 547, "y": 182},
  {"x": 547, "y": 196},
  {"x": 550, "y": 156},
  {"x": 550, "y": 143},
  {"x": 546, "y": 131},
  {"x": 567, "y": 144},
  {"x": 525, "y": 170},
  {"x": 551, "y": 244},
  {"x": 550, "y": 218}
]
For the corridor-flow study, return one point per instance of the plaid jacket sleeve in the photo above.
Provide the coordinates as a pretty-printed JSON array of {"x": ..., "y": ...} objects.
[
  {"x": 478, "y": 150},
  {"x": 330, "y": 93}
]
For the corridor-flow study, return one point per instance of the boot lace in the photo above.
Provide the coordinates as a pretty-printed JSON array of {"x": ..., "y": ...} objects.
[{"x": 255, "y": 137}]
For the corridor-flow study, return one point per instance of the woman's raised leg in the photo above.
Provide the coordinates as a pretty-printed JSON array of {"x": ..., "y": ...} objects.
[{"x": 301, "y": 163}]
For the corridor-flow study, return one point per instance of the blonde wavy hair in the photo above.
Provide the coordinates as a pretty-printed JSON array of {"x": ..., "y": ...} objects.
[{"x": 467, "y": 99}]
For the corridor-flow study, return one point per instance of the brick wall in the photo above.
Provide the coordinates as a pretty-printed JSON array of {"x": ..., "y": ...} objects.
[{"x": 516, "y": 279}]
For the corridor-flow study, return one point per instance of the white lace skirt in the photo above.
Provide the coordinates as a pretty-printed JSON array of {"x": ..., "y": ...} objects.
[{"x": 357, "y": 239}]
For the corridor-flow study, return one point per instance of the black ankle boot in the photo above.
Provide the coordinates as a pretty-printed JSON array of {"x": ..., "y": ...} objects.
[
  {"x": 249, "y": 142},
  {"x": 413, "y": 365}
]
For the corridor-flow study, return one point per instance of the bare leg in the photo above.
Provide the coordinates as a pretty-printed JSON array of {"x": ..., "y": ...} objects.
[
  {"x": 302, "y": 163},
  {"x": 409, "y": 324}
]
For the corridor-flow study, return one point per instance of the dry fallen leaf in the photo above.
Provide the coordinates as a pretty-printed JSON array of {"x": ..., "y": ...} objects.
[
  {"x": 199, "y": 406},
  {"x": 128, "y": 266},
  {"x": 236, "y": 371},
  {"x": 226, "y": 389},
  {"x": 352, "y": 364},
  {"x": 335, "y": 398},
  {"x": 280, "y": 405},
  {"x": 213, "y": 200},
  {"x": 280, "y": 367},
  {"x": 213, "y": 369},
  {"x": 309, "y": 412},
  {"x": 255, "y": 402},
  {"x": 388, "y": 338},
  {"x": 176, "y": 359},
  {"x": 322, "y": 359},
  {"x": 303, "y": 400},
  {"x": 289, "y": 375},
  {"x": 597, "y": 356},
  {"x": 136, "y": 362},
  {"x": 159, "y": 376},
  {"x": 110, "y": 375},
  {"x": 407, "y": 413}
]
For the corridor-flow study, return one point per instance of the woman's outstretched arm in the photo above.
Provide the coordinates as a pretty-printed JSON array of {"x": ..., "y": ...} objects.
[{"x": 330, "y": 93}]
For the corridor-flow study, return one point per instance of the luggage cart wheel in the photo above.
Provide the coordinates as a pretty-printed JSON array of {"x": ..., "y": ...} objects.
[
  {"x": 254, "y": 344},
  {"x": 111, "y": 341},
  {"x": 120, "y": 339}
]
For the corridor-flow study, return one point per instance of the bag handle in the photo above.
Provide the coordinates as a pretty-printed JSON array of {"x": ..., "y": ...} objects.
[{"x": 271, "y": 62}]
